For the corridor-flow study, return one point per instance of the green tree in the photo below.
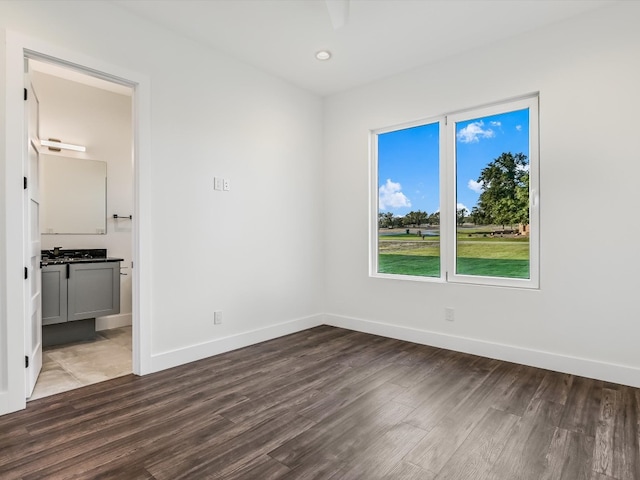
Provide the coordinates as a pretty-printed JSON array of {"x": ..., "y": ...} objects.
[
  {"x": 434, "y": 219},
  {"x": 385, "y": 220},
  {"x": 416, "y": 218},
  {"x": 461, "y": 216},
  {"x": 522, "y": 199},
  {"x": 478, "y": 216},
  {"x": 505, "y": 191}
]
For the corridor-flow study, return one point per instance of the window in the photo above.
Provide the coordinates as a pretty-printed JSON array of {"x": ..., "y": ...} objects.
[
  {"x": 408, "y": 166},
  {"x": 456, "y": 197}
]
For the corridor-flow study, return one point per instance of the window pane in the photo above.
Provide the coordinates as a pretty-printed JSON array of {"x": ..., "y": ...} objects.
[
  {"x": 492, "y": 196},
  {"x": 409, "y": 201}
]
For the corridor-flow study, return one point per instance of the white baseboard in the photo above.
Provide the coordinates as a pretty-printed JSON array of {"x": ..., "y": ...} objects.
[
  {"x": 551, "y": 361},
  {"x": 113, "y": 321},
  {"x": 162, "y": 361},
  {"x": 609, "y": 372}
]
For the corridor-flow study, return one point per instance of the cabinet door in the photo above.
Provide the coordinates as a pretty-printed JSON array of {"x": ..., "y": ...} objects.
[
  {"x": 54, "y": 294},
  {"x": 94, "y": 290}
]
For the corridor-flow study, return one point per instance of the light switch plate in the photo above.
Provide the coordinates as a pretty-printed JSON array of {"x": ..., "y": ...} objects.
[{"x": 218, "y": 183}]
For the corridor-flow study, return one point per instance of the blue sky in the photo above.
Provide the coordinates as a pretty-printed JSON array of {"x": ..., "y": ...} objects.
[{"x": 408, "y": 160}]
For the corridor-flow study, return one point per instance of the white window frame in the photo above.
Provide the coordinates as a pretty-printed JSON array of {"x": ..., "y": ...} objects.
[
  {"x": 447, "y": 170},
  {"x": 374, "y": 197}
]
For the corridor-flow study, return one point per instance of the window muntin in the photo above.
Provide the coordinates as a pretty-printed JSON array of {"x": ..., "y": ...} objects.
[{"x": 474, "y": 146}]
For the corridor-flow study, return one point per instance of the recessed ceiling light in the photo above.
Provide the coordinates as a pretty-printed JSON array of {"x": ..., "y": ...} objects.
[{"x": 323, "y": 55}]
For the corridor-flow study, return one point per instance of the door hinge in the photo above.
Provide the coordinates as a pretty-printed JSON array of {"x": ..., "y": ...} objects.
[
  {"x": 26, "y": 361},
  {"x": 26, "y": 273},
  {"x": 25, "y": 94},
  {"x": 25, "y": 182}
]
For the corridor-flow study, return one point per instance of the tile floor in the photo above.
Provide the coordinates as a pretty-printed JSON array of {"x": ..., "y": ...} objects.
[{"x": 65, "y": 367}]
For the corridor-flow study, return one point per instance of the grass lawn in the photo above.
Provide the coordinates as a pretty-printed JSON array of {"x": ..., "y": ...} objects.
[
  {"x": 424, "y": 266},
  {"x": 493, "y": 267},
  {"x": 419, "y": 265},
  {"x": 490, "y": 257}
]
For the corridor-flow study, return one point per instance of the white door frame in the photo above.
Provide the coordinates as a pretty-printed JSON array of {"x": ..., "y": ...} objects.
[{"x": 13, "y": 243}]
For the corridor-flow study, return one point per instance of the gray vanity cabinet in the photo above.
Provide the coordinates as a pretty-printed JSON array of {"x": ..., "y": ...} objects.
[
  {"x": 54, "y": 294},
  {"x": 78, "y": 291},
  {"x": 93, "y": 290}
]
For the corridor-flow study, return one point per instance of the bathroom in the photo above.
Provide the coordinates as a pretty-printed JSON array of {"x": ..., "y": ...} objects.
[{"x": 82, "y": 110}]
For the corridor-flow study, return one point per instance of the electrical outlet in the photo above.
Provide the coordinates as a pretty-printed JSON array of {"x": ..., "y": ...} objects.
[
  {"x": 226, "y": 184},
  {"x": 448, "y": 314},
  {"x": 218, "y": 183},
  {"x": 217, "y": 317}
]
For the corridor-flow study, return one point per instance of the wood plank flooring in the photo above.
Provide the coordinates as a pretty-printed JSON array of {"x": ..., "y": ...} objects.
[{"x": 329, "y": 403}]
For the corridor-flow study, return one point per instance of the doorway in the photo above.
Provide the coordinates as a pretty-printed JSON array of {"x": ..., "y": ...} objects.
[
  {"x": 94, "y": 115},
  {"x": 13, "y": 291}
]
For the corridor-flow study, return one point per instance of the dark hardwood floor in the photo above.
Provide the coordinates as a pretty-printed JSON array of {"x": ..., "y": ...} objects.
[{"x": 329, "y": 403}]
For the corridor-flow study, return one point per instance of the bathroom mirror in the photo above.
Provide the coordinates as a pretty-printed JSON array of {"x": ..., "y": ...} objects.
[{"x": 73, "y": 196}]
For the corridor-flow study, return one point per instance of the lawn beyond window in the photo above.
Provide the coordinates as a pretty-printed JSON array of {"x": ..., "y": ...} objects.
[{"x": 479, "y": 253}]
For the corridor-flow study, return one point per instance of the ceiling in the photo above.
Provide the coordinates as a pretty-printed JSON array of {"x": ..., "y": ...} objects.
[{"x": 380, "y": 38}]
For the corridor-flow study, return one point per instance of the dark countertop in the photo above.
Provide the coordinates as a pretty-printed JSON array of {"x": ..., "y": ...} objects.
[
  {"x": 59, "y": 256},
  {"x": 64, "y": 260}
]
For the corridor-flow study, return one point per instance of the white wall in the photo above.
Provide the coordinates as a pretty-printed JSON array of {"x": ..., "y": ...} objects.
[
  {"x": 584, "y": 318},
  {"x": 101, "y": 120},
  {"x": 254, "y": 252}
]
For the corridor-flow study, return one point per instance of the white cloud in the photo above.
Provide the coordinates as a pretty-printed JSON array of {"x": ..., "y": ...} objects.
[
  {"x": 473, "y": 132},
  {"x": 390, "y": 196},
  {"x": 475, "y": 186},
  {"x": 464, "y": 207},
  {"x": 519, "y": 128},
  {"x": 495, "y": 124}
]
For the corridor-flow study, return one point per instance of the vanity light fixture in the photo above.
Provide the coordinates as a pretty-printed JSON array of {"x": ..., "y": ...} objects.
[
  {"x": 56, "y": 145},
  {"x": 323, "y": 55}
]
